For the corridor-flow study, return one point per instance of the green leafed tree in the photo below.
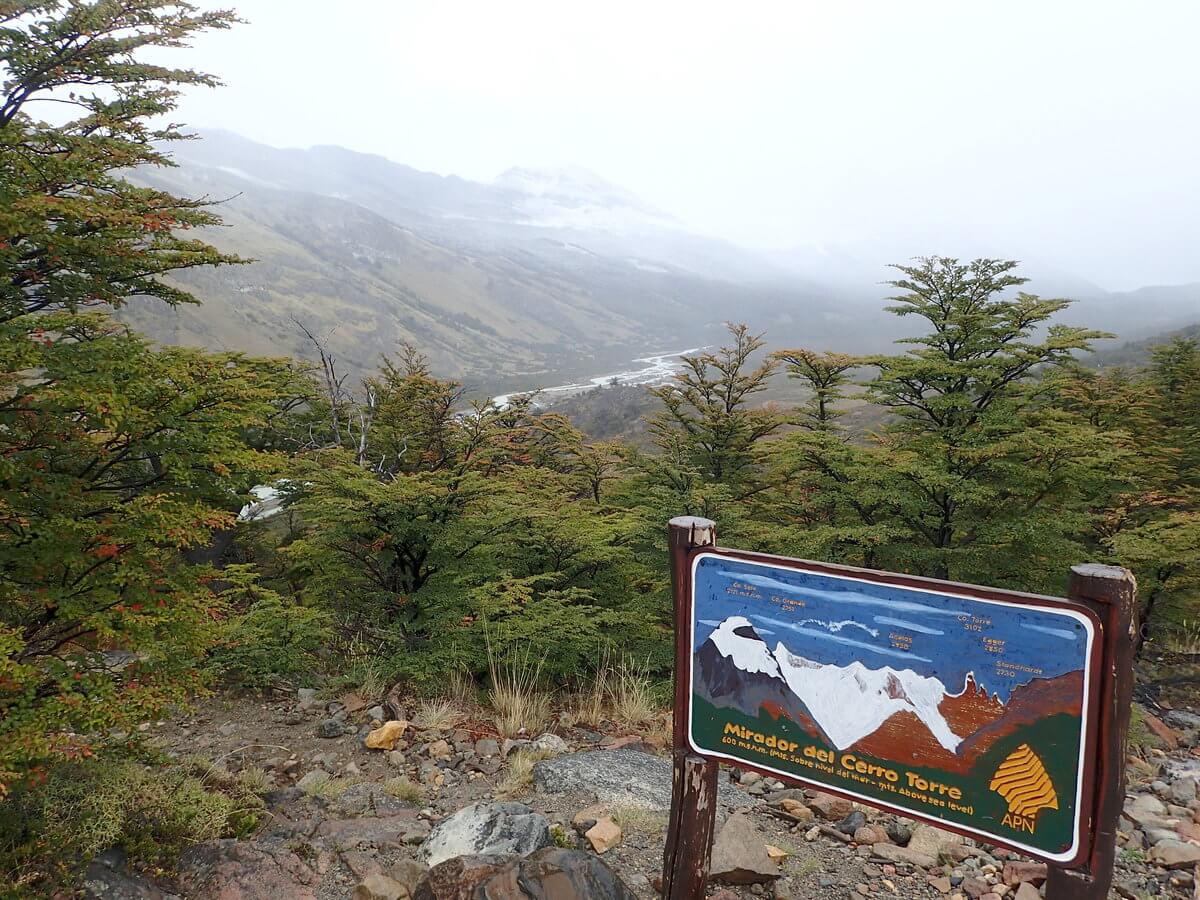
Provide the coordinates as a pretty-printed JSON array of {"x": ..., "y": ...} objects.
[{"x": 117, "y": 460}]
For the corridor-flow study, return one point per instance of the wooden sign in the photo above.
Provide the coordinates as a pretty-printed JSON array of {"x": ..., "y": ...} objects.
[
  {"x": 997, "y": 714},
  {"x": 972, "y": 710}
]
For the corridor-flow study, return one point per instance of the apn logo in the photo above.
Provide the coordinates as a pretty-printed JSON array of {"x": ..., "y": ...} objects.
[{"x": 1022, "y": 780}]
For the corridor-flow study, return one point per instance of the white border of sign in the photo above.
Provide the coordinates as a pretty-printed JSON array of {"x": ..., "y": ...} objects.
[{"x": 1083, "y": 730}]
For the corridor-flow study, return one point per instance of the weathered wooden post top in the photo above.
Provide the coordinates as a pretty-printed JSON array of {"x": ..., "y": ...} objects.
[{"x": 996, "y": 714}]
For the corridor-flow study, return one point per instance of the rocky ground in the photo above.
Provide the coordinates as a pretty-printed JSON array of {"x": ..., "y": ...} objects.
[{"x": 362, "y": 799}]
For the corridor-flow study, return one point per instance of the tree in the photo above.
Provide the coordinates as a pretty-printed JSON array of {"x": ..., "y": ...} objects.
[
  {"x": 74, "y": 232},
  {"x": 827, "y": 375},
  {"x": 706, "y": 416},
  {"x": 116, "y": 458}
]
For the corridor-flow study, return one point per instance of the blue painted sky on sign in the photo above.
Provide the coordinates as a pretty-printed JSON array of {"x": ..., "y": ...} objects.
[{"x": 842, "y": 621}]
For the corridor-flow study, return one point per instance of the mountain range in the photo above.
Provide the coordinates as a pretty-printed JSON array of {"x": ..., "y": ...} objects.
[
  {"x": 888, "y": 713},
  {"x": 536, "y": 277}
]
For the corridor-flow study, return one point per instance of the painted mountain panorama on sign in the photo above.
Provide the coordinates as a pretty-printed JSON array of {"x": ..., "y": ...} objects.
[{"x": 907, "y": 676}]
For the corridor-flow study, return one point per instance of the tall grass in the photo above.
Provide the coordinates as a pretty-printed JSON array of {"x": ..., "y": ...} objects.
[{"x": 516, "y": 697}]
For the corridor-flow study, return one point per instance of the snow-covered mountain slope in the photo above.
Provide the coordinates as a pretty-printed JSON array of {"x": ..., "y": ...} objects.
[
  {"x": 737, "y": 640},
  {"x": 851, "y": 702}
]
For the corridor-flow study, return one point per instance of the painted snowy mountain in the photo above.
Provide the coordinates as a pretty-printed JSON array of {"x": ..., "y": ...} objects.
[
  {"x": 851, "y": 702},
  {"x": 736, "y": 669},
  {"x": 894, "y": 712}
]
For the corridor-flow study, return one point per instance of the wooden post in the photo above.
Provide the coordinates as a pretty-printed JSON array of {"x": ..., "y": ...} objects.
[
  {"x": 694, "y": 785},
  {"x": 1111, "y": 592}
]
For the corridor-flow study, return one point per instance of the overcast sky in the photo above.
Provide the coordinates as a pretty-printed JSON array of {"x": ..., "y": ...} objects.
[{"x": 1065, "y": 132}]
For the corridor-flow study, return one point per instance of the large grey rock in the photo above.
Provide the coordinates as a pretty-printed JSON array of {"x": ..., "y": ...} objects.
[
  {"x": 487, "y": 829},
  {"x": 620, "y": 776},
  {"x": 551, "y": 873},
  {"x": 739, "y": 854},
  {"x": 1174, "y": 854}
]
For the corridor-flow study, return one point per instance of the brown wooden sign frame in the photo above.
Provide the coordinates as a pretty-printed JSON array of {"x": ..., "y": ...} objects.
[{"x": 1105, "y": 594}]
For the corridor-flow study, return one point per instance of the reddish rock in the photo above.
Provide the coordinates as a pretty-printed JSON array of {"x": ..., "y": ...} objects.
[
  {"x": 872, "y": 834},
  {"x": 550, "y": 872},
  {"x": 245, "y": 870},
  {"x": 830, "y": 807},
  {"x": 1016, "y": 872},
  {"x": 1162, "y": 731}
]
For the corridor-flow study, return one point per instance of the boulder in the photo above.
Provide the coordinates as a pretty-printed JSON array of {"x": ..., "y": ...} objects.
[
  {"x": 385, "y": 736},
  {"x": 1172, "y": 854},
  {"x": 739, "y": 855},
  {"x": 245, "y": 870},
  {"x": 620, "y": 776},
  {"x": 551, "y": 872},
  {"x": 379, "y": 887},
  {"x": 108, "y": 878},
  {"x": 930, "y": 841},
  {"x": 1019, "y": 871},
  {"x": 487, "y": 829},
  {"x": 830, "y": 807},
  {"x": 550, "y": 743},
  {"x": 906, "y": 855},
  {"x": 604, "y": 835},
  {"x": 368, "y": 798}
]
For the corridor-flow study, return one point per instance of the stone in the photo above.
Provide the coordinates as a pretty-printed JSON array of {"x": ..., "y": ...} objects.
[
  {"x": 408, "y": 872},
  {"x": 854, "y": 821},
  {"x": 975, "y": 887},
  {"x": 487, "y": 747},
  {"x": 777, "y": 854},
  {"x": 550, "y": 743},
  {"x": 245, "y": 870},
  {"x": 871, "y": 834},
  {"x": 330, "y": 728},
  {"x": 1172, "y": 854},
  {"x": 385, "y": 736},
  {"x": 1162, "y": 731},
  {"x": 794, "y": 808},
  {"x": 368, "y": 798},
  {"x": 1183, "y": 791},
  {"x": 306, "y": 698},
  {"x": 377, "y": 714},
  {"x": 551, "y": 872},
  {"x": 487, "y": 829},
  {"x": 739, "y": 855},
  {"x": 395, "y": 758},
  {"x": 439, "y": 749},
  {"x": 830, "y": 807},
  {"x": 379, "y": 887},
  {"x": 590, "y": 815},
  {"x": 604, "y": 835},
  {"x": 931, "y": 841},
  {"x": 626, "y": 777},
  {"x": 1026, "y": 891},
  {"x": 899, "y": 833},
  {"x": 941, "y": 884},
  {"x": 108, "y": 878},
  {"x": 907, "y": 855},
  {"x": 366, "y": 831},
  {"x": 511, "y": 745},
  {"x": 1017, "y": 871},
  {"x": 312, "y": 779}
]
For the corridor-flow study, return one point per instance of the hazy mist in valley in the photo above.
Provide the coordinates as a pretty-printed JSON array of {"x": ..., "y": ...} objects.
[{"x": 833, "y": 135}]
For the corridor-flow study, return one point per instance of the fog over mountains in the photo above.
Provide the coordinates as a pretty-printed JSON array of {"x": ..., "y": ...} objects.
[{"x": 540, "y": 275}]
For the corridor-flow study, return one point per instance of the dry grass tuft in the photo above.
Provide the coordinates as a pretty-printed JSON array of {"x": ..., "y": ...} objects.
[
  {"x": 518, "y": 775},
  {"x": 621, "y": 692},
  {"x": 639, "y": 819},
  {"x": 403, "y": 788},
  {"x": 516, "y": 698},
  {"x": 439, "y": 714}
]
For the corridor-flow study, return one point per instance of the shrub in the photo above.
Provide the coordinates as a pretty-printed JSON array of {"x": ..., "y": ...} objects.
[
  {"x": 49, "y": 829},
  {"x": 271, "y": 637}
]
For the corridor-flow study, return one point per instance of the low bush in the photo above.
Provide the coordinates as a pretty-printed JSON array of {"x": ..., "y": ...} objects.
[{"x": 50, "y": 829}]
